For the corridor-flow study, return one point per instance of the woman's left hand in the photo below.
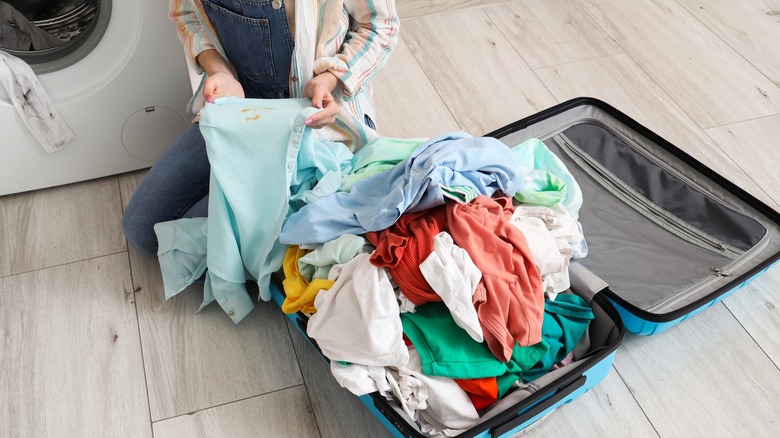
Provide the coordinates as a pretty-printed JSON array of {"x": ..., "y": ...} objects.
[{"x": 319, "y": 91}]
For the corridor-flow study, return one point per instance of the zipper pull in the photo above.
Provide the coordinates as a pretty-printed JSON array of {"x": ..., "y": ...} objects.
[{"x": 719, "y": 272}]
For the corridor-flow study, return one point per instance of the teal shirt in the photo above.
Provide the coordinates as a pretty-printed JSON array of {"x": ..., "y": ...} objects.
[
  {"x": 565, "y": 321},
  {"x": 262, "y": 158}
]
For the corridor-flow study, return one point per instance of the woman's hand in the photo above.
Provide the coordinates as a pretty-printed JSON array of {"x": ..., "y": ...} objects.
[
  {"x": 319, "y": 91},
  {"x": 221, "y": 84},
  {"x": 220, "y": 81}
]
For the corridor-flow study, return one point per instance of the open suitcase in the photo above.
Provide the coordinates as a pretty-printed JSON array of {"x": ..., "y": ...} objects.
[{"x": 667, "y": 238}]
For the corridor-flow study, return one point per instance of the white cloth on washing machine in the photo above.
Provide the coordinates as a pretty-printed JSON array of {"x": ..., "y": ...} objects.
[{"x": 33, "y": 104}]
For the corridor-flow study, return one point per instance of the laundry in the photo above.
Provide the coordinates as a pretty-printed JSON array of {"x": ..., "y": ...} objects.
[
  {"x": 547, "y": 181},
  {"x": 461, "y": 194},
  {"x": 318, "y": 262},
  {"x": 33, "y": 104},
  {"x": 243, "y": 225},
  {"x": 320, "y": 171},
  {"x": 182, "y": 253},
  {"x": 357, "y": 319},
  {"x": 509, "y": 298},
  {"x": 566, "y": 235},
  {"x": 19, "y": 33},
  {"x": 447, "y": 350},
  {"x": 565, "y": 322},
  {"x": 440, "y": 405},
  {"x": 552, "y": 262},
  {"x": 404, "y": 245},
  {"x": 409, "y": 391},
  {"x": 378, "y": 156},
  {"x": 404, "y": 304},
  {"x": 299, "y": 292},
  {"x": 360, "y": 379},
  {"x": 452, "y": 274},
  {"x": 378, "y": 201},
  {"x": 482, "y": 392}
]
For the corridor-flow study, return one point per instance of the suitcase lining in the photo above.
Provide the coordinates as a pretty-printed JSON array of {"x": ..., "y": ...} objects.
[{"x": 659, "y": 255}]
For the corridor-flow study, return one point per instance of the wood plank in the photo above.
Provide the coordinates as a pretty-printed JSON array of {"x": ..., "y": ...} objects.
[
  {"x": 284, "y": 413},
  {"x": 552, "y": 32},
  {"x": 757, "y": 308},
  {"x": 620, "y": 82},
  {"x": 407, "y": 104},
  {"x": 753, "y": 146},
  {"x": 71, "y": 356},
  {"x": 196, "y": 361},
  {"x": 420, "y": 8},
  {"x": 608, "y": 409},
  {"x": 50, "y": 227},
  {"x": 705, "y": 377},
  {"x": 749, "y": 27},
  {"x": 339, "y": 413},
  {"x": 477, "y": 73},
  {"x": 707, "y": 78}
]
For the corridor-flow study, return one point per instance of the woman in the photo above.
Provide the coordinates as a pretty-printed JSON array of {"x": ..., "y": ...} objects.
[{"x": 326, "y": 50}]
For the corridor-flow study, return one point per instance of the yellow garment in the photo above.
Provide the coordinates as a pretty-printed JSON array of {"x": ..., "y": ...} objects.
[{"x": 300, "y": 293}]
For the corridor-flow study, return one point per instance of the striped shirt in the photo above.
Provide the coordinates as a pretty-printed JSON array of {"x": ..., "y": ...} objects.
[{"x": 350, "y": 38}]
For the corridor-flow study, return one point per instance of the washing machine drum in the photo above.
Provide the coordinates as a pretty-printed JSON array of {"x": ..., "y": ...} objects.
[{"x": 43, "y": 25}]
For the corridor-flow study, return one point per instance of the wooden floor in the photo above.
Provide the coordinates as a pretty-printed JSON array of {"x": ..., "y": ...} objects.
[{"x": 89, "y": 348}]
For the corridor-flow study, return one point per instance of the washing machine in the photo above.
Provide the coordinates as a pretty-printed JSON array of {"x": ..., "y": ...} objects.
[{"x": 120, "y": 81}]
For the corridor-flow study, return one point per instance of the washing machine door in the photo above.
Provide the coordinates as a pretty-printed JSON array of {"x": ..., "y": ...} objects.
[{"x": 52, "y": 34}]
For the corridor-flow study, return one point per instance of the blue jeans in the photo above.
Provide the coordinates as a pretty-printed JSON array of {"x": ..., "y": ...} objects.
[{"x": 256, "y": 39}]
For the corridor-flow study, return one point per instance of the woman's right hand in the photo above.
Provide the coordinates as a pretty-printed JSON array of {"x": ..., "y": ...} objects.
[
  {"x": 221, "y": 84},
  {"x": 220, "y": 81}
]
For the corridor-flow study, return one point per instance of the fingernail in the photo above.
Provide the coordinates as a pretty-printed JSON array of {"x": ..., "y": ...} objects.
[
  {"x": 307, "y": 121},
  {"x": 209, "y": 99},
  {"x": 318, "y": 105}
]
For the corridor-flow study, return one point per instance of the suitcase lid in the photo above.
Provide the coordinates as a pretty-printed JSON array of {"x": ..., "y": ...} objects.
[{"x": 666, "y": 234}]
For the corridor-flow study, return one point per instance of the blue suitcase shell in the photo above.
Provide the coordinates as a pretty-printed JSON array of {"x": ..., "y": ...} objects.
[{"x": 617, "y": 160}]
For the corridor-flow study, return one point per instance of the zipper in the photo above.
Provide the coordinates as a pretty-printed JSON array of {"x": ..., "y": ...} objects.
[
  {"x": 669, "y": 222},
  {"x": 718, "y": 273},
  {"x": 635, "y": 147},
  {"x": 659, "y": 162},
  {"x": 644, "y": 206}
]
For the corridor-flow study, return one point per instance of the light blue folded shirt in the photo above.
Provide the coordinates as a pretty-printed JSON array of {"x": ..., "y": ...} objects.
[
  {"x": 375, "y": 203},
  {"x": 262, "y": 157}
]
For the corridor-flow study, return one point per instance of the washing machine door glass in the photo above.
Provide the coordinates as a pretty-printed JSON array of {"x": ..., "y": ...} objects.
[{"x": 52, "y": 34}]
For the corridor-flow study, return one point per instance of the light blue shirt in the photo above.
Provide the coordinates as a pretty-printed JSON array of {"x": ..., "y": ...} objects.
[
  {"x": 262, "y": 157},
  {"x": 375, "y": 203}
]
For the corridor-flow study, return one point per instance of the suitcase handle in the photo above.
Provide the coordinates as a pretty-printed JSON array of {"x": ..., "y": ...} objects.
[{"x": 538, "y": 408}]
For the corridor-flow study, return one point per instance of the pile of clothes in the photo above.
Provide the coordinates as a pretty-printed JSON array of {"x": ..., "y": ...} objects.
[{"x": 433, "y": 271}]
